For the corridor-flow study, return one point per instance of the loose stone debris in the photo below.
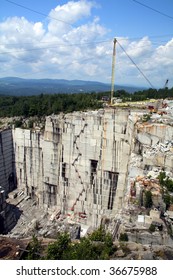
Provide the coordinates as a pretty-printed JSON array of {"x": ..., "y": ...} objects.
[{"x": 88, "y": 168}]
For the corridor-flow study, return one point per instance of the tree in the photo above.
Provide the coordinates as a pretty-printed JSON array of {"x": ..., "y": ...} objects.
[
  {"x": 57, "y": 249},
  {"x": 18, "y": 123},
  {"x": 106, "y": 248},
  {"x": 123, "y": 237},
  {"x": 152, "y": 228},
  {"x": 30, "y": 123},
  {"x": 166, "y": 182},
  {"x": 98, "y": 235},
  {"x": 167, "y": 199},
  {"x": 97, "y": 246},
  {"x": 161, "y": 177},
  {"x": 84, "y": 250},
  {"x": 169, "y": 184},
  {"x": 148, "y": 199},
  {"x": 34, "y": 249}
]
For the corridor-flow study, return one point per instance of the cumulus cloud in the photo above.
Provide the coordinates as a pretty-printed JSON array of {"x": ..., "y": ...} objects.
[
  {"x": 139, "y": 48},
  {"x": 163, "y": 53},
  {"x": 74, "y": 44},
  {"x": 64, "y": 17},
  {"x": 154, "y": 62},
  {"x": 72, "y": 11}
]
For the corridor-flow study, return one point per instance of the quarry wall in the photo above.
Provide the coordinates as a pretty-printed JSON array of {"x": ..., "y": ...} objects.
[
  {"x": 153, "y": 149},
  {"x": 8, "y": 180},
  {"x": 7, "y": 161},
  {"x": 82, "y": 163},
  {"x": 79, "y": 164}
]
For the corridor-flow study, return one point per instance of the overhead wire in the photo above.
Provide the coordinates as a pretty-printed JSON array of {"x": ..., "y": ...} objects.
[
  {"x": 81, "y": 61},
  {"x": 45, "y": 15},
  {"x": 135, "y": 65},
  {"x": 60, "y": 45},
  {"x": 40, "y": 13},
  {"x": 87, "y": 43},
  {"x": 76, "y": 44},
  {"x": 57, "y": 43},
  {"x": 149, "y": 36},
  {"x": 48, "y": 69},
  {"x": 93, "y": 42},
  {"x": 89, "y": 58},
  {"x": 37, "y": 12},
  {"x": 153, "y": 9}
]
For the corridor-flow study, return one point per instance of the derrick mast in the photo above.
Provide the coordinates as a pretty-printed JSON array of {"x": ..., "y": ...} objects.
[
  {"x": 113, "y": 70},
  {"x": 166, "y": 83}
]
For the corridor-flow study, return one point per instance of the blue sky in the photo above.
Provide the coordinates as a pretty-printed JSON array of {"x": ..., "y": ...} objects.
[{"x": 74, "y": 41}]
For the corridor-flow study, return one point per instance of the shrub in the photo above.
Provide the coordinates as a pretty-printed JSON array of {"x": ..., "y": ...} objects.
[
  {"x": 152, "y": 228},
  {"x": 18, "y": 123},
  {"x": 123, "y": 237}
]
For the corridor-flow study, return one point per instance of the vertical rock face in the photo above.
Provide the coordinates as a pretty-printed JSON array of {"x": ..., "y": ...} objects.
[
  {"x": 2, "y": 209},
  {"x": 82, "y": 165},
  {"x": 79, "y": 165},
  {"x": 28, "y": 161},
  {"x": 83, "y": 162},
  {"x": 7, "y": 162},
  {"x": 154, "y": 144},
  {"x": 7, "y": 179}
]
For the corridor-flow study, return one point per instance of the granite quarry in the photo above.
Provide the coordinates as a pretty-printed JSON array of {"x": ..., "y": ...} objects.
[{"x": 88, "y": 168}]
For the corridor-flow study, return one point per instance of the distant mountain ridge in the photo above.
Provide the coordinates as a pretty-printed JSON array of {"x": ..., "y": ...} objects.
[{"x": 18, "y": 86}]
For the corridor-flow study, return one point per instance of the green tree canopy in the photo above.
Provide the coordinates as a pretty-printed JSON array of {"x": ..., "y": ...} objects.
[{"x": 148, "y": 199}]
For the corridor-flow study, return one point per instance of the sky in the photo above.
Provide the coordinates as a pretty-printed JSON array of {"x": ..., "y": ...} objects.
[{"x": 74, "y": 40}]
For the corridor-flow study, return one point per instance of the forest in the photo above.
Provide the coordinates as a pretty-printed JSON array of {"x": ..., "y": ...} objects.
[
  {"x": 96, "y": 246},
  {"x": 46, "y": 104}
]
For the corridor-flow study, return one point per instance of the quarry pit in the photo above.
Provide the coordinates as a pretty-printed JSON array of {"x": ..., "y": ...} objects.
[{"x": 78, "y": 172}]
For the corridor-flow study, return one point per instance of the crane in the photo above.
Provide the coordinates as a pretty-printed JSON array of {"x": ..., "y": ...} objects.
[
  {"x": 166, "y": 83},
  {"x": 113, "y": 70}
]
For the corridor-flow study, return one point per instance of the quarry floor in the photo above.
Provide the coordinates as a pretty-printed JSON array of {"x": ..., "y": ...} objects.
[{"x": 32, "y": 220}]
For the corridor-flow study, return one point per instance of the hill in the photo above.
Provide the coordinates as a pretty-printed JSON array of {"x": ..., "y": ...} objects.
[{"x": 18, "y": 86}]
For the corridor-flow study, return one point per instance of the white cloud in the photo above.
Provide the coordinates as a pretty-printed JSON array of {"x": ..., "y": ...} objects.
[
  {"x": 163, "y": 54},
  {"x": 77, "y": 50},
  {"x": 63, "y": 17},
  {"x": 72, "y": 11},
  {"x": 155, "y": 63},
  {"x": 139, "y": 48}
]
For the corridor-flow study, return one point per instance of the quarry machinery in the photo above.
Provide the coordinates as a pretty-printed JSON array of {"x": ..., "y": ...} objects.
[
  {"x": 113, "y": 70},
  {"x": 166, "y": 83}
]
